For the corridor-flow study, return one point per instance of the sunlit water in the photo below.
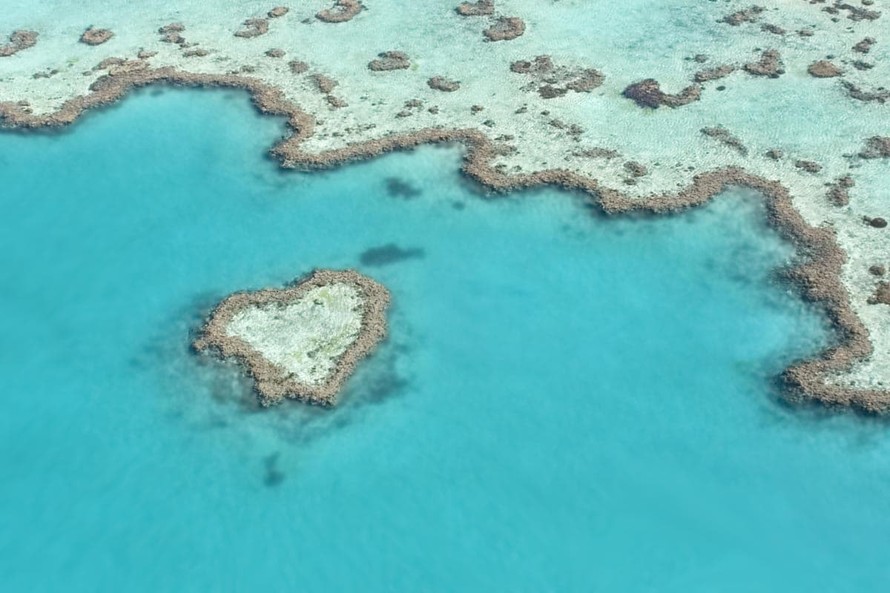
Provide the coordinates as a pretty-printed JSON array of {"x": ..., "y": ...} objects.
[{"x": 566, "y": 402}]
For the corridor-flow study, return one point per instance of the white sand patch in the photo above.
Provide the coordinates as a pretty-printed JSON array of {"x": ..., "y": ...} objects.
[{"x": 305, "y": 337}]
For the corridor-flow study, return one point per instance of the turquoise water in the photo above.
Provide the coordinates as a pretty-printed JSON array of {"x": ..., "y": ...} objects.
[{"x": 566, "y": 403}]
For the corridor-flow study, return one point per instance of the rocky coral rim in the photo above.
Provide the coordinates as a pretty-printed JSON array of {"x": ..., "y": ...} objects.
[
  {"x": 273, "y": 384},
  {"x": 818, "y": 277}
]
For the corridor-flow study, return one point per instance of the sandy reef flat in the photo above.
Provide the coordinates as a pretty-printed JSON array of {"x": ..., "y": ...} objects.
[
  {"x": 302, "y": 341},
  {"x": 649, "y": 107}
]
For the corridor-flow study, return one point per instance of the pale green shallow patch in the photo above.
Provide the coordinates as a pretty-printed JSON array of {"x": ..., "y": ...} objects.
[{"x": 307, "y": 336}]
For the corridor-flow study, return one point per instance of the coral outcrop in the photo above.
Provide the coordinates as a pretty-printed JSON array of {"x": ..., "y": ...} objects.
[
  {"x": 552, "y": 81},
  {"x": 824, "y": 69},
  {"x": 648, "y": 93},
  {"x": 440, "y": 83},
  {"x": 341, "y": 12},
  {"x": 302, "y": 341},
  {"x": 769, "y": 64},
  {"x": 505, "y": 28},
  {"x": 390, "y": 60},
  {"x": 480, "y": 8},
  {"x": 93, "y": 36},
  {"x": 18, "y": 40},
  {"x": 253, "y": 28}
]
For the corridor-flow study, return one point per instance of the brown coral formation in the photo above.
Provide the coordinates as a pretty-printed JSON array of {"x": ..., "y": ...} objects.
[
  {"x": 862, "y": 65},
  {"x": 505, "y": 28},
  {"x": 93, "y": 36},
  {"x": 879, "y": 95},
  {"x": 342, "y": 11},
  {"x": 770, "y": 64},
  {"x": 325, "y": 84},
  {"x": 877, "y": 270},
  {"x": 440, "y": 83},
  {"x": 774, "y": 29},
  {"x": 715, "y": 73},
  {"x": 882, "y": 294},
  {"x": 824, "y": 69},
  {"x": 854, "y": 13},
  {"x": 335, "y": 102},
  {"x": 298, "y": 67},
  {"x": 552, "y": 81},
  {"x": 864, "y": 46},
  {"x": 648, "y": 93},
  {"x": 597, "y": 153},
  {"x": 277, "y": 12},
  {"x": 118, "y": 66},
  {"x": 748, "y": 15},
  {"x": 817, "y": 276},
  {"x": 272, "y": 383},
  {"x": 390, "y": 60},
  {"x": 172, "y": 33},
  {"x": 725, "y": 137},
  {"x": 480, "y": 8},
  {"x": 839, "y": 191},
  {"x": 18, "y": 40},
  {"x": 876, "y": 147},
  {"x": 275, "y": 52},
  {"x": 808, "y": 166},
  {"x": 253, "y": 28},
  {"x": 636, "y": 169}
]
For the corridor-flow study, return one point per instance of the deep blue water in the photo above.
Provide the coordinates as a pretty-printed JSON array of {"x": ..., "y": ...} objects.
[{"x": 566, "y": 403}]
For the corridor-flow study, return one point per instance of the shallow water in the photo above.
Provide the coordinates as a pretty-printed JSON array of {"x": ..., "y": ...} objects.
[{"x": 566, "y": 402}]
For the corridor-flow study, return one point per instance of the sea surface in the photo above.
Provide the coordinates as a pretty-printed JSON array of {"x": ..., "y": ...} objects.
[{"x": 567, "y": 402}]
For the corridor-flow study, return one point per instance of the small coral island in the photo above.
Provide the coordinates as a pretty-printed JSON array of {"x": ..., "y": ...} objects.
[{"x": 302, "y": 341}]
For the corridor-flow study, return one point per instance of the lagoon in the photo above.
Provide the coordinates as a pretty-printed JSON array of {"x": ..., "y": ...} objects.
[{"x": 567, "y": 402}]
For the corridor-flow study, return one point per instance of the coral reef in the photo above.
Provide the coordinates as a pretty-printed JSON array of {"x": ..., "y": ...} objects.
[
  {"x": 93, "y": 36},
  {"x": 726, "y": 138},
  {"x": 748, "y": 15},
  {"x": 325, "y": 84},
  {"x": 480, "y": 8},
  {"x": 880, "y": 95},
  {"x": 839, "y": 191},
  {"x": 808, "y": 166},
  {"x": 865, "y": 45},
  {"x": 342, "y": 11},
  {"x": 172, "y": 33},
  {"x": 824, "y": 69},
  {"x": 298, "y": 67},
  {"x": 253, "y": 28},
  {"x": 302, "y": 341},
  {"x": 882, "y": 294},
  {"x": 876, "y": 147},
  {"x": 715, "y": 73},
  {"x": 18, "y": 40},
  {"x": 552, "y": 81},
  {"x": 770, "y": 64},
  {"x": 390, "y": 60},
  {"x": 648, "y": 93},
  {"x": 443, "y": 84},
  {"x": 505, "y": 28}
]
